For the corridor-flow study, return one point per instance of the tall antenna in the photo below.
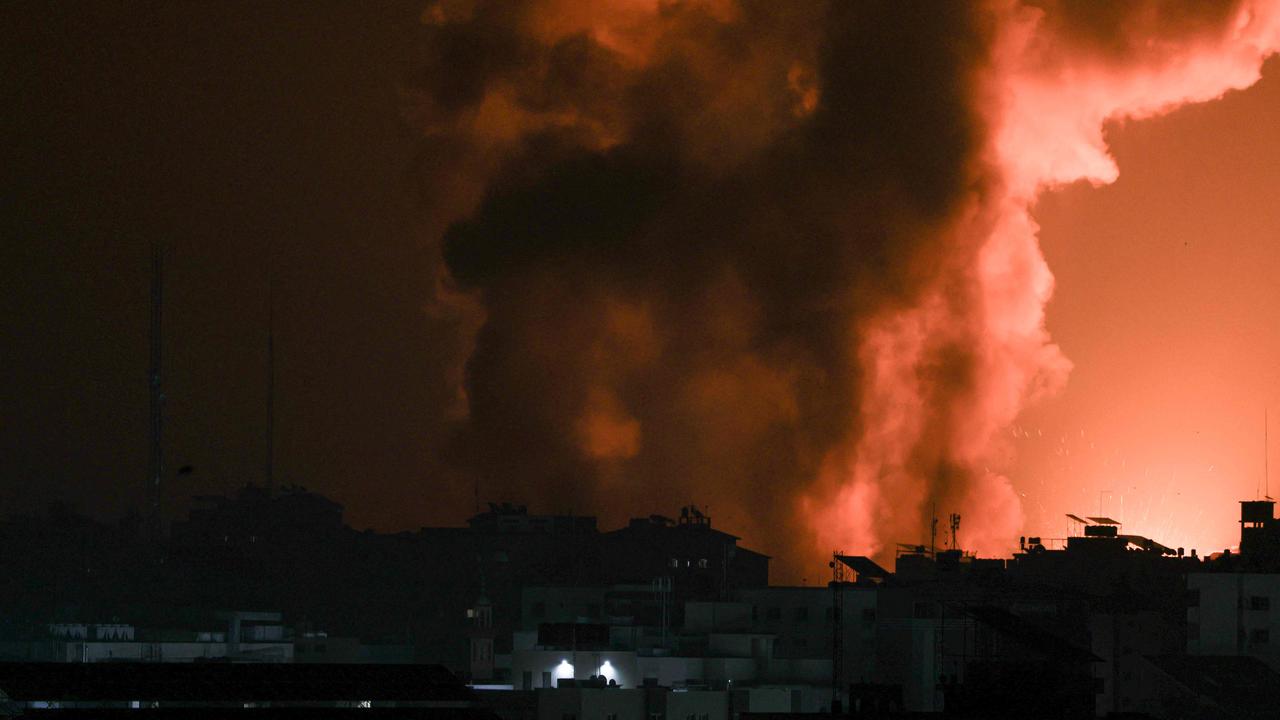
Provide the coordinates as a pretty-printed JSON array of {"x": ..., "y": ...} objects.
[
  {"x": 1266, "y": 457},
  {"x": 271, "y": 383},
  {"x": 155, "y": 470},
  {"x": 933, "y": 531}
]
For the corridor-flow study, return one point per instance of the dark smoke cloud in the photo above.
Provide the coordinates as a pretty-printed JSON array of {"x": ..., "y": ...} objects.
[
  {"x": 1122, "y": 30},
  {"x": 674, "y": 231},
  {"x": 671, "y": 317}
]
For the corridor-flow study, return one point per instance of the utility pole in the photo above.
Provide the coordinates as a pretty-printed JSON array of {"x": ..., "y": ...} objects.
[
  {"x": 155, "y": 470},
  {"x": 837, "y": 631},
  {"x": 271, "y": 384},
  {"x": 933, "y": 531}
]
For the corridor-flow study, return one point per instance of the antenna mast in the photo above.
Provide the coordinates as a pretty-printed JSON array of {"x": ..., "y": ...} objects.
[
  {"x": 156, "y": 464},
  {"x": 933, "y": 531},
  {"x": 271, "y": 383},
  {"x": 1266, "y": 457}
]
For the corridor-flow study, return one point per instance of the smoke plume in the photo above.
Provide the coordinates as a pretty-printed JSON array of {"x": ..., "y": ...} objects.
[{"x": 775, "y": 258}]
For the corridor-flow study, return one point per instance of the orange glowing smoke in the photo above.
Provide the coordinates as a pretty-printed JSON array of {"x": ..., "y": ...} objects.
[
  {"x": 777, "y": 258},
  {"x": 1046, "y": 102}
]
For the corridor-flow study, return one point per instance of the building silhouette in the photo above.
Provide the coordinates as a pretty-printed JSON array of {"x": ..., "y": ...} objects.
[{"x": 549, "y": 616}]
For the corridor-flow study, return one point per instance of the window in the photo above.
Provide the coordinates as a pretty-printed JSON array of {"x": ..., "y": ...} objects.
[
  {"x": 773, "y": 613},
  {"x": 755, "y": 613},
  {"x": 539, "y": 609},
  {"x": 1259, "y": 602},
  {"x": 546, "y": 679},
  {"x": 1193, "y": 597},
  {"x": 828, "y": 614},
  {"x": 611, "y": 716},
  {"x": 923, "y": 610},
  {"x": 802, "y": 614},
  {"x": 868, "y": 615},
  {"x": 568, "y": 716},
  {"x": 593, "y": 610},
  {"x": 703, "y": 563},
  {"x": 1260, "y": 636},
  {"x": 675, "y": 562},
  {"x": 526, "y": 680}
]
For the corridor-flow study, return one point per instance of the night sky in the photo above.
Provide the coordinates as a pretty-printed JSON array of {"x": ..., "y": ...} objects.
[
  {"x": 241, "y": 136},
  {"x": 616, "y": 259}
]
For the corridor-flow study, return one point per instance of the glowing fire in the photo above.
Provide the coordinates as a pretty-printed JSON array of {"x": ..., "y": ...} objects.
[
  {"x": 1047, "y": 105},
  {"x": 694, "y": 354}
]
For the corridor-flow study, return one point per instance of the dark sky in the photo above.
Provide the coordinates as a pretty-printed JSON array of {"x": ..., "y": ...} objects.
[{"x": 234, "y": 133}]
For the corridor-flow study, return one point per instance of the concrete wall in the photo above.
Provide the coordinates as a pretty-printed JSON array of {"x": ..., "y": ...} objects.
[
  {"x": 907, "y": 658},
  {"x": 766, "y": 700},
  {"x": 591, "y": 704},
  {"x": 707, "y": 617},
  {"x": 1237, "y": 614},
  {"x": 740, "y": 645},
  {"x": 697, "y": 705}
]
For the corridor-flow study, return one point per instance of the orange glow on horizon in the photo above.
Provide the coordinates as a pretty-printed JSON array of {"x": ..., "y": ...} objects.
[{"x": 1047, "y": 105}]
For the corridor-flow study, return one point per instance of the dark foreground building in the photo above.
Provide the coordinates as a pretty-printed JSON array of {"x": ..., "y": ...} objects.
[
  {"x": 209, "y": 690},
  {"x": 550, "y": 618},
  {"x": 438, "y": 595}
]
